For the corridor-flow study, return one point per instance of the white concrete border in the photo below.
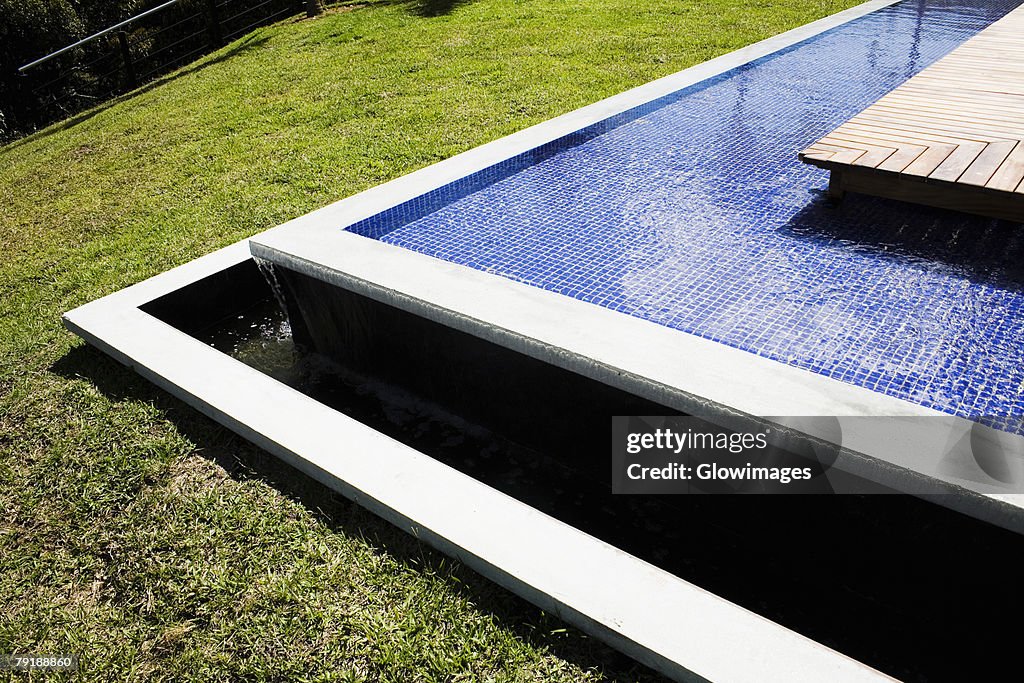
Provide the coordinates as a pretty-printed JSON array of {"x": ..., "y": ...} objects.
[
  {"x": 665, "y": 622},
  {"x": 910, "y": 452},
  {"x": 673, "y": 626}
]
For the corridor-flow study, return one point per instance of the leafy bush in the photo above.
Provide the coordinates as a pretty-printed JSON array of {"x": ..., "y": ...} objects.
[
  {"x": 93, "y": 72},
  {"x": 29, "y": 29}
]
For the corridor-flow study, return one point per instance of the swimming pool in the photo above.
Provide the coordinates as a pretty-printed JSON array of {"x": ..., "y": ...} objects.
[
  {"x": 693, "y": 212},
  {"x": 626, "y": 270}
]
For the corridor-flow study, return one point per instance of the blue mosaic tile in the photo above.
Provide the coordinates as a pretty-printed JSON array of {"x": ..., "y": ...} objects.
[{"x": 693, "y": 212}]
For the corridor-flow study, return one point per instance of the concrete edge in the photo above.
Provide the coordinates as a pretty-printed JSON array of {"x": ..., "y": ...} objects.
[
  {"x": 909, "y": 452},
  {"x": 656, "y": 618}
]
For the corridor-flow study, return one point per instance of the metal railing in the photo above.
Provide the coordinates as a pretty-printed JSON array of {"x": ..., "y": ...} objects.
[
  {"x": 132, "y": 52},
  {"x": 96, "y": 35}
]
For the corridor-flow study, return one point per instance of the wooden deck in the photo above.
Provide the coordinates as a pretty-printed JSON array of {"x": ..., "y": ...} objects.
[{"x": 952, "y": 136}]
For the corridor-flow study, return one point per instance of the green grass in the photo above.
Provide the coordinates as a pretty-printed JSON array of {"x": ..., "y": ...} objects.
[{"x": 144, "y": 537}]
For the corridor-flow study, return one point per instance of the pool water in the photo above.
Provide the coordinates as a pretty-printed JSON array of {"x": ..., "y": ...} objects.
[{"x": 693, "y": 212}]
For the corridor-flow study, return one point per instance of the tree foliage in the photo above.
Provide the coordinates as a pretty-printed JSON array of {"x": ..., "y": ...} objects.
[{"x": 30, "y": 29}]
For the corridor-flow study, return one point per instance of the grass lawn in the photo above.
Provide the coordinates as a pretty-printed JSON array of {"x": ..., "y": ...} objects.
[{"x": 152, "y": 542}]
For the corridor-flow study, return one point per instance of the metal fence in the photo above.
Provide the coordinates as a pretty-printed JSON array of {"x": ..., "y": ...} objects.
[{"x": 135, "y": 51}]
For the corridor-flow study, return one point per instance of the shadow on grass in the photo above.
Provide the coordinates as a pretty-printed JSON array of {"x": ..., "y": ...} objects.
[
  {"x": 435, "y": 8},
  {"x": 421, "y": 8},
  {"x": 244, "y": 461}
]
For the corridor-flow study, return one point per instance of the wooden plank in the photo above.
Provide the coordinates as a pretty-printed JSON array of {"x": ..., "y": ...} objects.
[
  {"x": 868, "y": 139},
  {"x": 817, "y": 156},
  {"x": 873, "y": 154},
  {"x": 959, "y": 68},
  {"x": 956, "y": 154},
  {"x": 933, "y": 90},
  {"x": 902, "y": 158},
  {"x": 966, "y": 113},
  {"x": 956, "y": 163},
  {"x": 930, "y": 130},
  {"x": 981, "y": 87},
  {"x": 955, "y": 196},
  {"x": 987, "y": 163},
  {"x": 993, "y": 68},
  {"x": 907, "y": 135},
  {"x": 957, "y": 74},
  {"x": 989, "y": 102},
  {"x": 939, "y": 127},
  {"x": 841, "y": 155},
  {"x": 896, "y": 107},
  {"x": 926, "y": 162},
  {"x": 951, "y": 136},
  {"x": 930, "y": 122},
  {"x": 815, "y": 152},
  {"x": 1010, "y": 174},
  {"x": 977, "y": 74}
]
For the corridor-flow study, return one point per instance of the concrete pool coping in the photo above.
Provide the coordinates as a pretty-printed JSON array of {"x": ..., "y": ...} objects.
[
  {"x": 660, "y": 620},
  {"x": 675, "y": 627},
  {"x": 910, "y": 452}
]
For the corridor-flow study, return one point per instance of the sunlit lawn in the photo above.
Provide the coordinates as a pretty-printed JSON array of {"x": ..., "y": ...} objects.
[{"x": 142, "y": 536}]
